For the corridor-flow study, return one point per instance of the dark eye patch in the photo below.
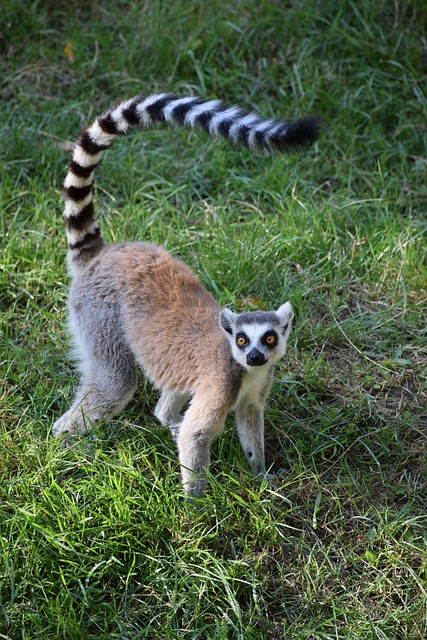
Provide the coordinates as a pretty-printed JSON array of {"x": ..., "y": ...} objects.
[
  {"x": 242, "y": 340},
  {"x": 269, "y": 339}
]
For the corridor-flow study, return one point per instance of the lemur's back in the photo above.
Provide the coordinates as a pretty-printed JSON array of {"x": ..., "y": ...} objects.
[{"x": 156, "y": 306}]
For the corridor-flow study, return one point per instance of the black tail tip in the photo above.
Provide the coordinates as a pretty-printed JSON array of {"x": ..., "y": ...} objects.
[{"x": 302, "y": 133}]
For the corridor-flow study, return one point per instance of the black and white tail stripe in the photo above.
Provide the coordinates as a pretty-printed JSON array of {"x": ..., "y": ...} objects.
[{"x": 259, "y": 135}]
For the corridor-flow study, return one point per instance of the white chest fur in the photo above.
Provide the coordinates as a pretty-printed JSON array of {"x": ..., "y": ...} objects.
[{"x": 252, "y": 390}]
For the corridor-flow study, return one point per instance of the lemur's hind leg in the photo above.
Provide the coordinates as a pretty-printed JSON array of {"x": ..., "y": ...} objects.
[
  {"x": 104, "y": 391},
  {"x": 169, "y": 409},
  {"x": 107, "y": 365}
]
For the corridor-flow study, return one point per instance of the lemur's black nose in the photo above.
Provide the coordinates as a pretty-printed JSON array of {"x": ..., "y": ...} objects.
[{"x": 255, "y": 358}]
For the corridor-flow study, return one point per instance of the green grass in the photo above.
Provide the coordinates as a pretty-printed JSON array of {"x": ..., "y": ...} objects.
[{"x": 97, "y": 541}]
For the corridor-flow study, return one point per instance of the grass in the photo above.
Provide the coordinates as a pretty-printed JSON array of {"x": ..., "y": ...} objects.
[{"x": 97, "y": 541}]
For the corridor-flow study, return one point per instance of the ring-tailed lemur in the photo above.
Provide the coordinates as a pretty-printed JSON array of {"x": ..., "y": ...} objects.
[{"x": 134, "y": 303}]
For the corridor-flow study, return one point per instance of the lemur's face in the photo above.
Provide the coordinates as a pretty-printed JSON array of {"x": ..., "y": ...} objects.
[{"x": 257, "y": 338}]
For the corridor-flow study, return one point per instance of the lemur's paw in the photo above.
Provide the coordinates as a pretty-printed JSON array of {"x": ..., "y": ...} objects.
[{"x": 64, "y": 425}]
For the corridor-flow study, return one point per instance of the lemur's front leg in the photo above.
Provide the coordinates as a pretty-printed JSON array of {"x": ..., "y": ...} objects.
[
  {"x": 202, "y": 422},
  {"x": 250, "y": 427}
]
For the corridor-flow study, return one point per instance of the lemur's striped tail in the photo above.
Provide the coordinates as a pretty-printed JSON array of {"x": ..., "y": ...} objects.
[{"x": 250, "y": 130}]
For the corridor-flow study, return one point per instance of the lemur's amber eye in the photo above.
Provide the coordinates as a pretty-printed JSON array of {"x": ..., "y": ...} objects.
[
  {"x": 270, "y": 339},
  {"x": 241, "y": 340}
]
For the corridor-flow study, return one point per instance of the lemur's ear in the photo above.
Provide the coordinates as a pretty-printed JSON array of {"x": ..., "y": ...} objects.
[
  {"x": 285, "y": 314},
  {"x": 227, "y": 320}
]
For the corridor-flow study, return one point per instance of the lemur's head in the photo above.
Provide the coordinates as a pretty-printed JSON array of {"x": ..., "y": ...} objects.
[{"x": 257, "y": 338}]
